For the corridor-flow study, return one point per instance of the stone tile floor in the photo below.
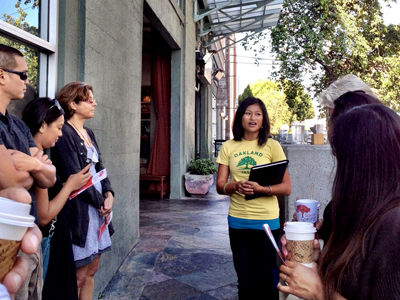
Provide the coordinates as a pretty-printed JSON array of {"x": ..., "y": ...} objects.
[{"x": 183, "y": 253}]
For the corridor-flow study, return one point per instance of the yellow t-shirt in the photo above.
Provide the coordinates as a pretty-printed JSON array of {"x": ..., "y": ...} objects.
[{"x": 240, "y": 157}]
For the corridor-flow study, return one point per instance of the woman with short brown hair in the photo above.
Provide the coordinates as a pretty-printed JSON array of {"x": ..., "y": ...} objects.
[{"x": 90, "y": 209}]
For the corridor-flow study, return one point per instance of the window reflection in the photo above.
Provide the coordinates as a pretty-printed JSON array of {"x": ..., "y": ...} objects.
[{"x": 23, "y": 14}]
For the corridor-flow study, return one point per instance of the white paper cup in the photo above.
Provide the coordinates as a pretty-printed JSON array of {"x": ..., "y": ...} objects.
[
  {"x": 300, "y": 242},
  {"x": 306, "y": 210},
  {"x": 14, "y": 222}
]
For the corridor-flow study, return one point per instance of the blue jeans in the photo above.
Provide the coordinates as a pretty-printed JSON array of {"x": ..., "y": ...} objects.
[{"x": 254, "y": 258}]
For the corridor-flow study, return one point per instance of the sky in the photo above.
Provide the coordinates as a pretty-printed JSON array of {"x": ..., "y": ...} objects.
[
  {"x": 248, "y": 72},
  {"x": 8, "y": 7}
]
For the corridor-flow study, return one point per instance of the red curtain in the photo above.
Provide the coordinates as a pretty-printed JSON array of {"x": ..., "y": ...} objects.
[{"x": 159, "y": 163}]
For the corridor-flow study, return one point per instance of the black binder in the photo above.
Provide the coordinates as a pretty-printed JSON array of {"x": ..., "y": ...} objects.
[{"x": 267, "y": 174}]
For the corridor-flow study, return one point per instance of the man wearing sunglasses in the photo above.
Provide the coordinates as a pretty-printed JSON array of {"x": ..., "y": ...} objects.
[{"x": 22, "y": 164}]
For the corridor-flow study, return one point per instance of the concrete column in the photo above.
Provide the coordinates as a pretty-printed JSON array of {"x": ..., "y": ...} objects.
[{"x": 311, "y": 169}]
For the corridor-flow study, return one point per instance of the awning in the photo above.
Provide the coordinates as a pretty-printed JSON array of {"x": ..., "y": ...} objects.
[{"x": 226, "y": 17}]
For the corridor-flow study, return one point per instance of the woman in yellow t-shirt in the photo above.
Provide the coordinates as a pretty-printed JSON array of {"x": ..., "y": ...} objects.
[{"x": 254, "y": 256}]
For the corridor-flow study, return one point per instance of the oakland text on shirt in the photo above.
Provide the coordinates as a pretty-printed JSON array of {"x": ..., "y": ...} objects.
[{"x": 248, "y": 153}]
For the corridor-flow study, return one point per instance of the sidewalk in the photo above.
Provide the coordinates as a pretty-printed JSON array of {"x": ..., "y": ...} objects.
[{"x": 183, "y": 253}]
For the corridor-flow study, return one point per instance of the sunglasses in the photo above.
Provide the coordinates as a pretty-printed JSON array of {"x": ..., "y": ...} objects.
[
  {"x": 22, "y": 75},
  {"x": 57, "y": 104}
]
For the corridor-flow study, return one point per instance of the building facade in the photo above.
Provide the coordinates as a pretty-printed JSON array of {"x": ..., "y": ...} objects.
[{"x": 140, "y": 58}]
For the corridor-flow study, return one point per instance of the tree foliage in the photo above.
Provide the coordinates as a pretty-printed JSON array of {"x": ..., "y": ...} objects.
[
  {"x": 30, "y": 54},
  {"x": 299, "y": 102},
  {"x": 331, "y": 38},
  {"x": 285, "y": 103}
]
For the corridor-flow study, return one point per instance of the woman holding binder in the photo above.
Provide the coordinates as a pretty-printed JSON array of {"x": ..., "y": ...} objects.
[
  {"x": 90, "y": 209},
  {"x": 254, "y": 256}
]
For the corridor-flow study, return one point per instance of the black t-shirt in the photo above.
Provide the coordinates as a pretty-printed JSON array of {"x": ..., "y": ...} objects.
[{"x": 14, "y": 134}]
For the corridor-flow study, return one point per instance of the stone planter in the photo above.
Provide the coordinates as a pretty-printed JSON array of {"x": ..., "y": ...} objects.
[{"x": 198, "y": 185}]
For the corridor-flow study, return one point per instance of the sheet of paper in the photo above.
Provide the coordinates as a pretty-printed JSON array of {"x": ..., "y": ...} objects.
[
  {"x": 92, "y": 180},
  {"x": 103, "y": 227},
  {"x": 272, "y": 239}
]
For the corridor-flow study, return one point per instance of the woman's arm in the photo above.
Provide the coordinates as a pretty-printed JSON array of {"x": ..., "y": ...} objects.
[
  {"x": 222, "y": 180},
  {"x": 228, "y": 188},
  {"x": 47, "y": 210},
  {"x": 45, "y": 174}
]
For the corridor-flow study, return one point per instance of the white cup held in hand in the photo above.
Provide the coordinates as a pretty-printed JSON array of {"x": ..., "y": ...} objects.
[
  {"x": 300, "y": 242},
  {"x": 14, "y": 222}
]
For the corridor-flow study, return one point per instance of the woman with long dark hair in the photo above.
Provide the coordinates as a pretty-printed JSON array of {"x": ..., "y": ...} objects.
[
  {"x": 361, "y": 257},
  {"x": 45, "y": 119},
  {"x": 254, "y": 256}
]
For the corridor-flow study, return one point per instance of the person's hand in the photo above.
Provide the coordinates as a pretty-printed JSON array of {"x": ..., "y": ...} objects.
[
  {"x": 24, "y": 162},
  {"x": 39, "y": 155},
  {"x": 255, "y": 187},
  {"x": 78, "y": 180},
  {"x": 29, "y": 243},
  {"x": 317, "y": 249},
  {"x": 301, "y": 281},
  {"x": 245, "y": 187},
  {"x": 106, "y": 209}
]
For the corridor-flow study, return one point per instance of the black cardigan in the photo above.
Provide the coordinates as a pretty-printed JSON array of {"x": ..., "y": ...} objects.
[{"x": 70, "y": 156}]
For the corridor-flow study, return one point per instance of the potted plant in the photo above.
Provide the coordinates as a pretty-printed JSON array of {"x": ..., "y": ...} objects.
[{"x": 200, "y": 177}]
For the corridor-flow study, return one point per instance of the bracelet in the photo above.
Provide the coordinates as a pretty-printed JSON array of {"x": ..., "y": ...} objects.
[
  {"x": 270, "y": 190},
  {"x": 223, "y": 188}
]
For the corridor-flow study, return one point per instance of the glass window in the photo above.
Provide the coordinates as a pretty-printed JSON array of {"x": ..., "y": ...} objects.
[
  {"x": 23, "y": 14},
  {"x": 30, "y": 26}
]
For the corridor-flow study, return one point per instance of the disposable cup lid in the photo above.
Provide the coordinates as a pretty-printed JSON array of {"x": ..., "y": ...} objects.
[
  {"x": 299, "y": 227},
  {"x": 8, "y": 206},
  {"x": 27, "y": 221},
  {"x": 306, "y": 201}
]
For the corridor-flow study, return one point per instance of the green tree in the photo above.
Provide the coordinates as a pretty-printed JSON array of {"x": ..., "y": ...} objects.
[
  {"x": 30, "y": 54},
  {"x": 258, "y": 88},
  {"x": 246, "y": 161},
  {"x": 298, "y": 100},
  {"x": 328, "y": 39}
]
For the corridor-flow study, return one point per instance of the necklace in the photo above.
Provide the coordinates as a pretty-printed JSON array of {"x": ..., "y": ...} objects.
[{"x": 87, "y": 140}]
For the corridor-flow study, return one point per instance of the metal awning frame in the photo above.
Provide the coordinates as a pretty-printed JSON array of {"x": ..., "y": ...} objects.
[
  {"x": 209, "y": 37},
  {"x": 213, "y": 26},
  {"x": 206, "y": 12},
  {"x": 229, "y": 45}
]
